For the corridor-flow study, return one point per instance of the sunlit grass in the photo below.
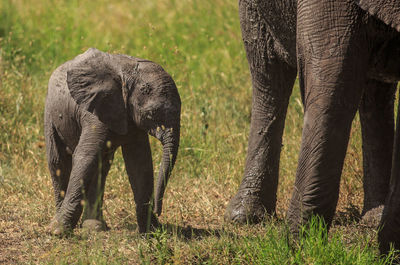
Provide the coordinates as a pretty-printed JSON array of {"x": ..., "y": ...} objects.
[{"x": 199, "y": 44}]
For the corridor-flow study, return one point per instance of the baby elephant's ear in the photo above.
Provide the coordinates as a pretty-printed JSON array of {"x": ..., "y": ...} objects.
[{"x": 99, "y": 91}]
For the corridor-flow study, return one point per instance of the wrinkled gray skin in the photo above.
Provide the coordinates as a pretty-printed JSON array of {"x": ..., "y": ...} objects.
[
  {"x": 96, "y": 103},
  {"x": 346, "y": 54}
]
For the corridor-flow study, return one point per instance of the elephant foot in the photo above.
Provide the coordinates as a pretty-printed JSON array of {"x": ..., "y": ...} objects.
[
  {"x": 94, "y": 225},
  {"x": 56, "y": 228},
  {"x": 372, "y": 217},
  {"x": 145, "y": 227},
  {"x": 242, "y": 210},
  {"x": 389, "y": 238}
]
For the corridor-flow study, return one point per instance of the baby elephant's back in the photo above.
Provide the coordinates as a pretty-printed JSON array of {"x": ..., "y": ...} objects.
[
  {"x": 58, "y": 93},
  {"x": 61, "y": 111}
]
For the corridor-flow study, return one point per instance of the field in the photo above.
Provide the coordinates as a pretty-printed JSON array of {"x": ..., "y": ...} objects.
[{"x": 199, "y": 44}]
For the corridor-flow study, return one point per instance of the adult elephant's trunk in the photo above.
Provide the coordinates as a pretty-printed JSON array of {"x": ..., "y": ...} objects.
[{"x": 170, "y": 142}]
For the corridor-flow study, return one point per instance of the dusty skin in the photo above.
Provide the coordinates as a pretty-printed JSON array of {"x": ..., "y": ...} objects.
[
  {"x": 343, "y": 57},
  {"x": 96, "y": 103}
]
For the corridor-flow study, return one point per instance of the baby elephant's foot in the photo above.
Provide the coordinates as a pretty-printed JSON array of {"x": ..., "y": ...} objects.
[
  {"x": 56, "y": 228},
  {"x": 94, "y": 225}
]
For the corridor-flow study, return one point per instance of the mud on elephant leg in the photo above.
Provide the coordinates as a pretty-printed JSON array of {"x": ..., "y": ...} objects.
[
  {"x": 272, "y": 81},
  {"x": 91, "y": 142},
  {"x": 93, "y": 209},
  {"x": 59, "y": 162},
  {"x": 257, "y": 192},
  {"x": 377, "y": 124}
]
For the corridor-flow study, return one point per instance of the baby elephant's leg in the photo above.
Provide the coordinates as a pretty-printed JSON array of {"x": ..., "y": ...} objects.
[
  {"x": 139, "y": 166},
  {"x": 59, "y": 162},
  {"x": 93, "y": 208},
  {"x": 84, "y": 168}
]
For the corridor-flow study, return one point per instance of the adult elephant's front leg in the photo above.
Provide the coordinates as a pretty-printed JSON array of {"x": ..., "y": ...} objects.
[
  {"x": 272, "y": 80},
  {"x": 333, "y": 56},
  {"x": 377, "y": 124}
]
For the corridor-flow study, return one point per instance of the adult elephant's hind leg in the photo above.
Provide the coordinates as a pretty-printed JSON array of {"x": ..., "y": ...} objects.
[
  {"x": 272, "y": 80},
  {"x": 377, "y": 124}
]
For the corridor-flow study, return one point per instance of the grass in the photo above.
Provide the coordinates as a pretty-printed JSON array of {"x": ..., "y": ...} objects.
[{"x": 199, "y": 44}]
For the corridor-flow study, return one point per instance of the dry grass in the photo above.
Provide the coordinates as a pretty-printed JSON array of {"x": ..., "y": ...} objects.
[{"x": 199, "y": 43}]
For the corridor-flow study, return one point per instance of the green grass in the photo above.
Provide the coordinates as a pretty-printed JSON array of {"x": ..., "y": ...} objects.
[{"x": 199, "y": 44}]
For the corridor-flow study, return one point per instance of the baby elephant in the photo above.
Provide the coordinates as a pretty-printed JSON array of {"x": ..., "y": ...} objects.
[{"x": 96, "y": 103}]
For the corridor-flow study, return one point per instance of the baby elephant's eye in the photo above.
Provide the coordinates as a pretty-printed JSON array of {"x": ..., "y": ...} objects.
[{"x": 145, "y": 88}]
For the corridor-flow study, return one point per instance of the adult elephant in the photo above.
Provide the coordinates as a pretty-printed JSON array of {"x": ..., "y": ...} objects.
[{"x": 347, "y": 59}]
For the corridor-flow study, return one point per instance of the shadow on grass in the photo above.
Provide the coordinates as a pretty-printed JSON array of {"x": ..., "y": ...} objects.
[
  {"x": 184, "y": 232},
  {"x": 189, "y": 232},
  {"x": 350, "y": 215}
]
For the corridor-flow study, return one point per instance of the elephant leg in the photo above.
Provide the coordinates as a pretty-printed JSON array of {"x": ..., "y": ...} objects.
[
  {"x": 377, "y": 124},
  {"x": 333, "y": 59},
  {"x": 272, "y": 80},
  {"x": 389, "y": 234},
  {"x": 59, "y": 162},
  {"x": 139, "y": 167},
  {"x": 84, "y": 168},
  {"x": 93, "y": 209}
]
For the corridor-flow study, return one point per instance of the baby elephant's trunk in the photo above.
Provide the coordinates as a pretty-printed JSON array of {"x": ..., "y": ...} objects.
[{"x": 170, "y": 142}]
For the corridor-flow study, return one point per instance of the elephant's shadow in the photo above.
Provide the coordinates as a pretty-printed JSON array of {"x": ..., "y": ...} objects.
[
  {"x": 185, "y": 232},
  {"x": 349, "y": 215},
  {"x": 189, "y": 232}
]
